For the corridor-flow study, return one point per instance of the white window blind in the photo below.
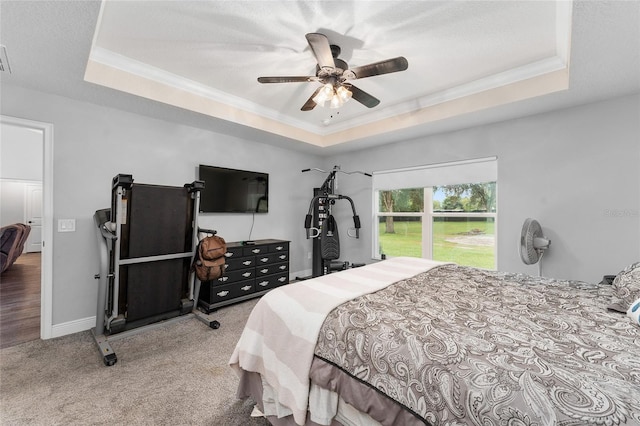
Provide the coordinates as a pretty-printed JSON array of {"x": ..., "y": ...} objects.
[{"x": 458, "y": 172}]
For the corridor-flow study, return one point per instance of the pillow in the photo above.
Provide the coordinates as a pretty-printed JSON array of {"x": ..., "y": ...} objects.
[
  {"x": 626, "y": 288},
  {"x": 634, "y": 312}
]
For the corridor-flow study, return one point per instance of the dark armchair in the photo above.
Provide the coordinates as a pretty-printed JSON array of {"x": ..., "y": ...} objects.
[{"x": 12, "y": 239}]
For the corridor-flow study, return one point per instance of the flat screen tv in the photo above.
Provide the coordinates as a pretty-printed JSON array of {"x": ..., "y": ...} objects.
[{"x": 233, "y": 191}]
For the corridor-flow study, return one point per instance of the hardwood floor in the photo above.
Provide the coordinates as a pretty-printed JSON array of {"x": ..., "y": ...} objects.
[{"x": 20, "y": 301}]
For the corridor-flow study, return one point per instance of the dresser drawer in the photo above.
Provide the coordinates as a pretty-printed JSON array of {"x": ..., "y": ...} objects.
[
  {"x": 265, "y": 259},
  {"x": 233, "y": 251},
  {"x": 233, "y": 264},
  {"x": 233, "y": 276},
  {"x": 273, "y": 268},
  {"x": 278, "y": 247},
  {"x": 271, "y": 281},
  {"x": 254, "y": 250},
  {"x": 221, "y": 293}
]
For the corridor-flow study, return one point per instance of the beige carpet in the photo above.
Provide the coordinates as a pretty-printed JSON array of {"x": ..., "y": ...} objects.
[{"x": 176, "y": 374}]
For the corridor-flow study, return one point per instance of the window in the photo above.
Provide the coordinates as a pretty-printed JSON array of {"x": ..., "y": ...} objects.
[{"x": 441, "y": 212}]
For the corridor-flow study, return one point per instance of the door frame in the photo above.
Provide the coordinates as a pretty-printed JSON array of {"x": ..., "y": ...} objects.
[
  {"x": 29, "y": 244},
  {"x": 46, "y": 275}
]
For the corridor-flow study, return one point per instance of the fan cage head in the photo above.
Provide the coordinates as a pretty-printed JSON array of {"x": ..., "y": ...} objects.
[{"x": 532, "y": 242}]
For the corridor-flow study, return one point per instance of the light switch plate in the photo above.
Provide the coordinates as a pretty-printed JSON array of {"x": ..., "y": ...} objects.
[{"x": 66, "y": 225}]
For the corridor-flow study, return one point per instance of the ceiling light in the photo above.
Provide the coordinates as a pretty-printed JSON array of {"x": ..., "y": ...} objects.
[
  {"x": 336, "y": 102},
  {"x": 336, "y": 96},
  {"x": 343, "y": 93},
  {"x": 324, "y": 94}
]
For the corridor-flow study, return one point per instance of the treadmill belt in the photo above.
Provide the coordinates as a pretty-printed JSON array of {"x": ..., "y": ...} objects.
[
  {"x": 158, "y": 221},
  {"x": 154, "y": 288}
]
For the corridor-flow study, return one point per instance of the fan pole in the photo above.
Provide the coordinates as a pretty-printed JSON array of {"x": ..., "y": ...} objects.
[{"x": 540, "y": 263}]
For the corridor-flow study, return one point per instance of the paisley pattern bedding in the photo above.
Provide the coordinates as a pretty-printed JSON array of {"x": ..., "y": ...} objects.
[{"x": 458, "y": 345}]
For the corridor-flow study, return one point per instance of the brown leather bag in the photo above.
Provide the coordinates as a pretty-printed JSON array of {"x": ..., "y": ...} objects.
[
  {"x": 212, "y": 247},
  {"x": 209, "y": 262}
]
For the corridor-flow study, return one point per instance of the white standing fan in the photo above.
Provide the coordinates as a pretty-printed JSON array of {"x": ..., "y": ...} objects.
[{"x": 533, "y": 244}]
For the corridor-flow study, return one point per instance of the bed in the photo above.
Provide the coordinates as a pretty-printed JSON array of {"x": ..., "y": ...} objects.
[{"x": 412, "y": 341}]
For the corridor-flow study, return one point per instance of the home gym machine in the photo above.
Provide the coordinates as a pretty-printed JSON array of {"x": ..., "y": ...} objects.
[
  {"x": 147, "y": 240},
  {"x": 322, "y": 227}
]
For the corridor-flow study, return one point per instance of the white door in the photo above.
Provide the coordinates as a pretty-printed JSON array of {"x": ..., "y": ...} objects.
[{"x": 33, "y": 204}]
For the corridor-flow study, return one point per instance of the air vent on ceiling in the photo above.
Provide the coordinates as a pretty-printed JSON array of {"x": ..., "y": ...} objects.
[{"x": 4, "y": 60}]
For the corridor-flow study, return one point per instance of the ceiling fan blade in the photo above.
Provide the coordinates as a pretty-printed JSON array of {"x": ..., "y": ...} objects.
[
  {"x": 363, "y": 97},
  {"x": 293, "y": 79},
  {"x": 319, "y": 44},
  {"x": 310, "y": 104},
  {"x": 383, "y": 67}
]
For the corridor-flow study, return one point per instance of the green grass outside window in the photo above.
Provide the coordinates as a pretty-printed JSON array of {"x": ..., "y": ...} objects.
[{"x": 465, "y": 243}]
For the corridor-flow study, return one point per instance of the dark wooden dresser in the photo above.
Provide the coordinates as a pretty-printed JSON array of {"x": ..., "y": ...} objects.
[{"x": 251, "y": 271}]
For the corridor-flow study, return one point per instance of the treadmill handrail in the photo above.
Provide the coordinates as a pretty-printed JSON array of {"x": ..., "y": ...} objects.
[{"x": 101, "y": 219}]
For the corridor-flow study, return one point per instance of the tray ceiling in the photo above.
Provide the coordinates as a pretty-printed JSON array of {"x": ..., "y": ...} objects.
[{"x": 206, "y": 56}]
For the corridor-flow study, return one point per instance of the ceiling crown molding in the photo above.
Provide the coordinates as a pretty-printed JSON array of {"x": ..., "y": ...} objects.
[{"x": 546, "y": 75}]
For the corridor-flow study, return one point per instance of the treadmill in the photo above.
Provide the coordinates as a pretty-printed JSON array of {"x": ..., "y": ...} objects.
[{"x": 147, "y": 242}]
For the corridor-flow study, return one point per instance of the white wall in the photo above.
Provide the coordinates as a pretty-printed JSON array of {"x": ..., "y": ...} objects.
[
  {"x": 21, "y": 167},
  {"x": 12, "y": 205},
  {"x": 92, "y": 144},
  {"x": 576, "y": 170},
  {"x": 21, "y": 153}
]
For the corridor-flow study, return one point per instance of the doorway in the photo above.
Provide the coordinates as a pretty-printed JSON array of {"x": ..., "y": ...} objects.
[{"x": 25, "y": 197}]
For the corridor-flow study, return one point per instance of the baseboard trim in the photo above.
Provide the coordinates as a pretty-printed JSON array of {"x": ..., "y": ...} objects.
[
  {"x": 83, "y": 324},
  {"x": 75, "y": 326},
  {"x": 305, "y": 273}
]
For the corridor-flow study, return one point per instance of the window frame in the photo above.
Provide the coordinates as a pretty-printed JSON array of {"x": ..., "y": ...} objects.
[{"x": 427, "y": 216}]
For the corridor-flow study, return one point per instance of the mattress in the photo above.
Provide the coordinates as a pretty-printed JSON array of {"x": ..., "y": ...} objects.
[{"x": 457, "y": 345}]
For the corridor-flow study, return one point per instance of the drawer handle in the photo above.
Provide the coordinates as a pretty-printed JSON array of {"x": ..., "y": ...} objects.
[
  {"x": 264, "y": 259},
  {"x": 283, "y": 267},
  {"x": 246, "y": 263},
  {"x": 264, "y": 283},
  {"x": 228, "y": 254},
  {"x": 282, "y": 279},
  {"x": 264, "y": 271},
  {"x": 255, "y": 251},
  {"x": 279, "y": 248},
  {"x": 283, "y": 256},
  {"x": 223, "y": 293},
  {"x": 246, "y": 274},
  {"x": 223, "y": 279},
  {"x": 246, "y": 287}
]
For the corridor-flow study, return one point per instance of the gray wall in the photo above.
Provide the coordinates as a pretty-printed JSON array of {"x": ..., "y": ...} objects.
[
  {"x": 576, "y": 170},
  {"x": 92, "y": 144},
  {"x": 20, "y": 153}
]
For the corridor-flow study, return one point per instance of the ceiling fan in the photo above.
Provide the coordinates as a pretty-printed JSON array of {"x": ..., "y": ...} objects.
[{"x": 335, "y": 75}]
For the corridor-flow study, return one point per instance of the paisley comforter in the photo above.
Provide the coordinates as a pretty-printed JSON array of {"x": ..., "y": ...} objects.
[{"x": 464, "y": 346}]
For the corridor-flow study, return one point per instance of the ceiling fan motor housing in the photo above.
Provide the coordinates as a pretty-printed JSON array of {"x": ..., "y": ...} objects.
[
  {"x": 335, "y": 50},
  {"x": 336, "y": 73}
]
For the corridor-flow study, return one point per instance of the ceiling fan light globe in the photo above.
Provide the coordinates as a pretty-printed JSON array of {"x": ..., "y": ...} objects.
[
  {"x": 319, "y": 99},
  {"x": 336, "y": 102},
  {"x": 324, "y": 95},
  {"x": 343, "y": 93}
]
